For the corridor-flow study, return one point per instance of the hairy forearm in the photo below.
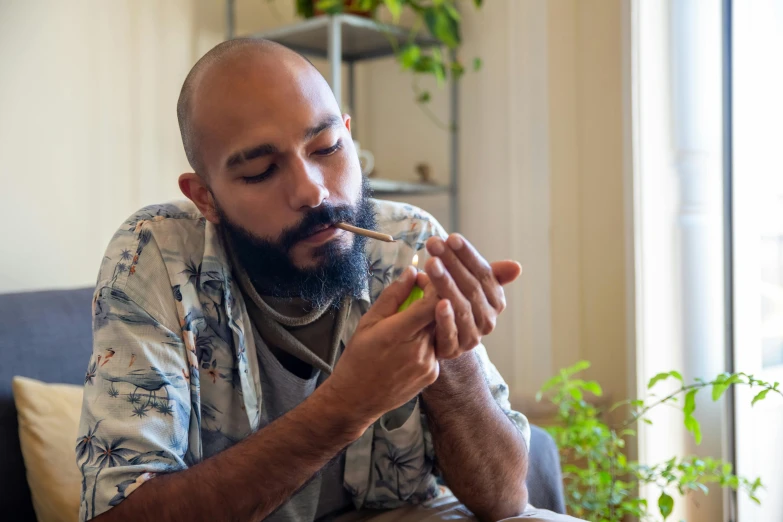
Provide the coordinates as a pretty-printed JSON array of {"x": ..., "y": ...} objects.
[
  {"x": 480, "y": 453},
  {"x": 252, "y": 479}
]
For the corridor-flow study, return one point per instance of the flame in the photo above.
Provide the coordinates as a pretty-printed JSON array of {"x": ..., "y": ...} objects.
[{"x": 415, "y": 261}]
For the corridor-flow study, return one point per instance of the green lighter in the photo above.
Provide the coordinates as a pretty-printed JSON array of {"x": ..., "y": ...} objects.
[{"x": 416, "y": 293}]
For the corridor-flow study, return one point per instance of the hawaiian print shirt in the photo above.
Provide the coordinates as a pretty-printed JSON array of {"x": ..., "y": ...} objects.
[{"x": 174, "y": 378}]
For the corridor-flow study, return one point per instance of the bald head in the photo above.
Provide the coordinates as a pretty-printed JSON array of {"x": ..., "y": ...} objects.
[{"x": 227, "y": 62}]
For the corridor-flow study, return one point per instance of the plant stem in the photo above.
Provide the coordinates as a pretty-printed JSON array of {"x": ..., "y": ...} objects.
[
  {"x": 699, "y": 385},
  {"x": 638, "y": 415},
  {"x": 432, "y": 116}
]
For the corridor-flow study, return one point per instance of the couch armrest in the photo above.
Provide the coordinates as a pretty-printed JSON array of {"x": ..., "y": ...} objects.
[{"x": 544, "y": 477}]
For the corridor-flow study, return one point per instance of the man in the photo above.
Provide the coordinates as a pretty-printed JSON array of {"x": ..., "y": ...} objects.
[{"x": 249, "y": 358}]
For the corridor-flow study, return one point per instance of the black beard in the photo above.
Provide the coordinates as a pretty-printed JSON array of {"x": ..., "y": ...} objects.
[{"x": 339, "y": 271}]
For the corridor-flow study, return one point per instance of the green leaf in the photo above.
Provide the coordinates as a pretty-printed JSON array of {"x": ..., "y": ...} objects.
[
  {"x": 718, "y": 390},
  {"x": 576, "y": 394},
  {"x": 477, "y": 63},
  {"x": 692, "y": 425},
  {"x": 429, "y": 64},
  {"x": 442, "y": 26},
  {"x": 690, "y": 402},
  {"x": 395, "y": 8},
  {"x": 647, "y": 421},
  {"x": 304, "y": 8},
  {"x": 478, "y": 3},
  {"x": 424, "y": 97},
  {"x": 409, "y": 56},
  {"x": 439, "y": 69},
  {"x": 676, "y": 375},
  {"x": 578, "y": 367},
  {"x": 457, "y": 69},
  {"x": 660, "y": 377},
  {"x": 665, "y": 505},
  {"x": 453, "y": 13},
  {"x": 551, "y": 383},
  {"x": 330, "y": 6},
  {"x": 737, "y": 378},
  {"x": 593, "y": 387},
  {"x": 759, "y": 396}
]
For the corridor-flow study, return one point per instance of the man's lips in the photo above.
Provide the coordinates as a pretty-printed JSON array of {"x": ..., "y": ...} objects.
[
  {"x": 318, "y": 229},
  {"x": 322, "y": 235}
]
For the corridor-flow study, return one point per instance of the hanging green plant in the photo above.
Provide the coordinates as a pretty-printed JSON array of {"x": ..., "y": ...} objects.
[{"x": 439, "y": 18}]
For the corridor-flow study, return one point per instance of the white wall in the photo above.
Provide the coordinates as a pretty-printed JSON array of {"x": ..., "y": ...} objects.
[
  {"x": 89, "y": 134},
  {"x": 541, "y": 177},
  {"x": 88, "y": 131}
]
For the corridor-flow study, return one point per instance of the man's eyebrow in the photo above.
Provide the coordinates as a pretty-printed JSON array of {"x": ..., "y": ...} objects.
[
  {"x": 329, "y": 121},
  {"x": 243, "y": 156},
  {"x": 252, "y": 153}
]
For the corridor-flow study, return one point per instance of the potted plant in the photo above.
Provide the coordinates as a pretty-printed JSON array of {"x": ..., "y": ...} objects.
[
  {"x": 310, "y": 8},
  {"x": 601, "y": 484},
  {"x": 439, "y": 18}
]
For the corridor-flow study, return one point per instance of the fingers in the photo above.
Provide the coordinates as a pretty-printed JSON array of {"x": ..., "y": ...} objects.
[
  {"x": 478, "y": 267},
  {"x": 446, "y": 334},
  {"x": 417, "y": 317},
  {"x": 506, "y": 271},
  {"x": 466, "y": 312},
  {"x": 392, "y": 297},
  {"x": 465, "y": 288}
]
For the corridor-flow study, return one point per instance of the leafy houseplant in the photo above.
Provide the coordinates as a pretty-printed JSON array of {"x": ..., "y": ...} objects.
[
  {"x": 440, "y": 18},
  {"x": 601, "y": 484}
]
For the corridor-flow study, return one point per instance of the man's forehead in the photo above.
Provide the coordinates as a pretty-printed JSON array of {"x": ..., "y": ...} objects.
[
  {"x": 260, "y": 96},
  {"x": 256, "y": 79}
]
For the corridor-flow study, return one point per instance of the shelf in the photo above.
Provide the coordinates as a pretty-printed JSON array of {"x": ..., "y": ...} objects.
[
  {"x": 363, "y": 38},
  {"x": 389, "y": 187}
]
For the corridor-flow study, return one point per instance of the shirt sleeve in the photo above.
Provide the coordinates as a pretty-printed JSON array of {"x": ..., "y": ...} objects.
[{"x": 136, "y": 411}]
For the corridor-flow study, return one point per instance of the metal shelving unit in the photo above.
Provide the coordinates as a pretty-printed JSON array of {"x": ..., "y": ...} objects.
[{"x": 349, "y": 39}]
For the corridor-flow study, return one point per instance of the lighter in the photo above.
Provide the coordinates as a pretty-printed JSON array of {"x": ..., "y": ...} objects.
[{"x": 416, "y": 293}]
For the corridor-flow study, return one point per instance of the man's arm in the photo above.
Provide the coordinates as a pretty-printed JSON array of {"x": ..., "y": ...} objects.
[
  {"x": 480, "y": 452},
  {"x": 253, "y": 478}
]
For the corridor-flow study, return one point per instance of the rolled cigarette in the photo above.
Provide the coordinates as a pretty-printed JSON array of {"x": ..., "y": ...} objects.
[{"x": 365, "y": 232}]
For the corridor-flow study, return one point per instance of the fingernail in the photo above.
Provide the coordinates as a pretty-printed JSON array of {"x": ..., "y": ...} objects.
[
  {"x": 446, "y": 311},
  {"x": 437, "y": 267},
  {"x": 406, "y": 275},
  {"x": 455, "y": 242},
  {"x": 436, "y": 247}
]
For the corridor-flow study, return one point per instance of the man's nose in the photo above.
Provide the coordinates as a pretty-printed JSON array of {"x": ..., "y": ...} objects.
[{"x": 307, "y": 189}]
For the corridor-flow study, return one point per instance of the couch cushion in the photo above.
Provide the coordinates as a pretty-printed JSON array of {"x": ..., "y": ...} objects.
[
  {"x": 48, "y": 425},
  {"x": 45, "y": 336}
]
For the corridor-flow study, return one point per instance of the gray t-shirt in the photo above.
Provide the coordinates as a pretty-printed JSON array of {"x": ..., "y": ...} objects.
[
  {"x": 297, "y": 350},
  {"x": 282, "y": 390}
]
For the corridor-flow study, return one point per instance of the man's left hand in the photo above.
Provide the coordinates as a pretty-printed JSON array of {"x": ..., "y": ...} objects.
[{"x": 471, "y": 291}]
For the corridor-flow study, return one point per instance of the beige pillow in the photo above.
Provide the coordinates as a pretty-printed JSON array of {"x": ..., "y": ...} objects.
[{"x": 48, "y": 422}]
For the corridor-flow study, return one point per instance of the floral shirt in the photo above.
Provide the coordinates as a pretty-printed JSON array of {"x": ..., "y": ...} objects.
[{"x": 174, "y": 377}]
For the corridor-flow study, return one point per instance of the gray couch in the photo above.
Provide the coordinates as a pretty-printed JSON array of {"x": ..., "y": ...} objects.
[{"x": 47, "y": 336}]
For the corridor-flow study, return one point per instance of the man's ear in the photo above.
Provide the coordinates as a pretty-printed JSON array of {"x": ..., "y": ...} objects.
[
  {"x": 194, "y": 188},
  {"x": 347, "y": 121}
]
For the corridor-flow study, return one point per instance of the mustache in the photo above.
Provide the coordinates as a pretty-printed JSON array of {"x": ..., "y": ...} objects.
[{"x": 314, "y": 220}]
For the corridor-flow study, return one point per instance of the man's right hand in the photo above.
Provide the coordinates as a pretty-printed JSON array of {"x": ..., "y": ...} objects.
[{"x": 391, "y": 356}]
